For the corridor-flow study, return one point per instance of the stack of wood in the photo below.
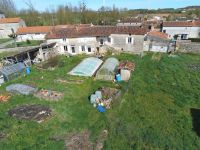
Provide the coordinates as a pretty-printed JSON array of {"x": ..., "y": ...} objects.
[{"x": 4, "y": 98}]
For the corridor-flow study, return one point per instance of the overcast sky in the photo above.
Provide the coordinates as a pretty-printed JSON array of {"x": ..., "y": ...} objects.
[{"x": 95, "y": 4}]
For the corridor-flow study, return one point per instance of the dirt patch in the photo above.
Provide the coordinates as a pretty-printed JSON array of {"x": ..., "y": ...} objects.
[
  {"x": 4, "y": 98},
  {"x": 101, "y": 139},
  {"x": 37, "y": 113},
  {"x": 51, "y": 64},
  {"x": 69, "y": 81},
  {"x": 81, "y": 141},
  {"x": 49, "y": 95}
]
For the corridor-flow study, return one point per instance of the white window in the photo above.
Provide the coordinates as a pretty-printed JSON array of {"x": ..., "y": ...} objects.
[
  {"x": 83, "y": 48},
  {"x": 65, "y": 48},
  {"x": 73, "y": 49},
  {"x": 130, "y": 40},
  {"x": 89, "y": 49}
]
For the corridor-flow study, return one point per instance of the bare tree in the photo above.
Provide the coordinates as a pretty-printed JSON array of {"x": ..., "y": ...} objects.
[{"x": 8, "y": 7}]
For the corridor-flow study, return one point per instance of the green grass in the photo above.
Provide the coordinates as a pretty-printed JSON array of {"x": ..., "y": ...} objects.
[
  {"x": 153, "y": 113},
  {"x": 24, "y": 44},
  {"x": 4, "y": 40}
]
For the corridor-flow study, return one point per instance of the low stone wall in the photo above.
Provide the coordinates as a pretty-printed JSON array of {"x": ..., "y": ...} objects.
[{"x": 188, "y": 47}]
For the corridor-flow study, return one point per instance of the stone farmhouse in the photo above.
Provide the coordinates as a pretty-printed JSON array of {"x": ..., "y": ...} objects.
[
  {"x": 10, "y": 25},
  {"x": 91, "y": 39},
  {"x": 181, "y": 30}
]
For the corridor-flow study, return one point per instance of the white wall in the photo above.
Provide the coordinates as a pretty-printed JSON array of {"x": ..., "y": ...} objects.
[
  {"x": 193, "y": 32},
  {"x": 24, "y": 37},
  {"x": 77, "y": 43}
]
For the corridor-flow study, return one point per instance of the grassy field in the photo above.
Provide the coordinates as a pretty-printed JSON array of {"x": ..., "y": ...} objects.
[
  {"x": 153, "y": 112},
  {"x": 4, "y": 40},
  {"x": 24, "y": 44}
]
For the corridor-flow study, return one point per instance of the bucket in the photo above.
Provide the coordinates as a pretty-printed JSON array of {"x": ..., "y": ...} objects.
[
  {"x": 28, "y": 70},
  {"x": 118, "y": 77}
]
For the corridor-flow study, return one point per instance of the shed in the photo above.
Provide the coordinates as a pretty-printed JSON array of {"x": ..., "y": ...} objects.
[
  {"x": 13, "y": 71},
  {"x": 107, "y": 71},
  {"x": 87, "y": 67},
  {"x": 125, "y": 68}
]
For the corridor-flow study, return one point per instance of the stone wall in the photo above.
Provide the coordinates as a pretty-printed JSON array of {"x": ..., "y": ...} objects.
[
  {"x": 120, "y": 41},
  {"x": 188, "y": 47}
]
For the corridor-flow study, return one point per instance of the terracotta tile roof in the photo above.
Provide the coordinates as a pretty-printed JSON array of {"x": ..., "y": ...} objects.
[
  {"x": 10, "y": 20},
  {"x": 94, "y": 31},
  {"x": 158, "y": 34},
  {"x": 181, "y": 24},
  {"x": 34, "y": 29}
]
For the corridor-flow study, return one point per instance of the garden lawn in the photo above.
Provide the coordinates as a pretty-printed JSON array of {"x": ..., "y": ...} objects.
[{"x": 153, "y": 112}]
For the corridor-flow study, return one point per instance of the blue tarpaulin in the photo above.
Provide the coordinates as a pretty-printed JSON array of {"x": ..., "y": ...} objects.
[{"x": 101, "y": 109}]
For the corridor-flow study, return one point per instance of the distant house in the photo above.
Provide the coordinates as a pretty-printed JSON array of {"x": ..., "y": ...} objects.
[
  {"x": 89, "y": 40},
  {"x": 156, "y": 41},
  {"x": 182, "y": 29},
  {"x": 136, "y": 22},
  {"x": 32, "y": 33},
  {"x": 2, "y": 15},
  {"x": 9, "y": 25}
]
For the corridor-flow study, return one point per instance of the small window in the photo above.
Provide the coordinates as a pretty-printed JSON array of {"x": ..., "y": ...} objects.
[
  {"x": 89, "y": 49},
  {"x": 73, "y": 49},
  {"x": 101, "y": 41},
  {"x": 64, "y": 39},
  {"x": 83, "y": 48},
  {"x": 109, "y": 40},
  {"x": 65, "y": 48},
  {"x": 130, "y": 40}
]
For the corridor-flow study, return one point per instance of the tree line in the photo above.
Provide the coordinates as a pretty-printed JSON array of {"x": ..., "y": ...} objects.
[{"x": 81, "y": 14}]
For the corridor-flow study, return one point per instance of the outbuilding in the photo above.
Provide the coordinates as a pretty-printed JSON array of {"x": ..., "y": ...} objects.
[
  {"x": 108, "y": 69},
  {"x": 13, "y": 71}
]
